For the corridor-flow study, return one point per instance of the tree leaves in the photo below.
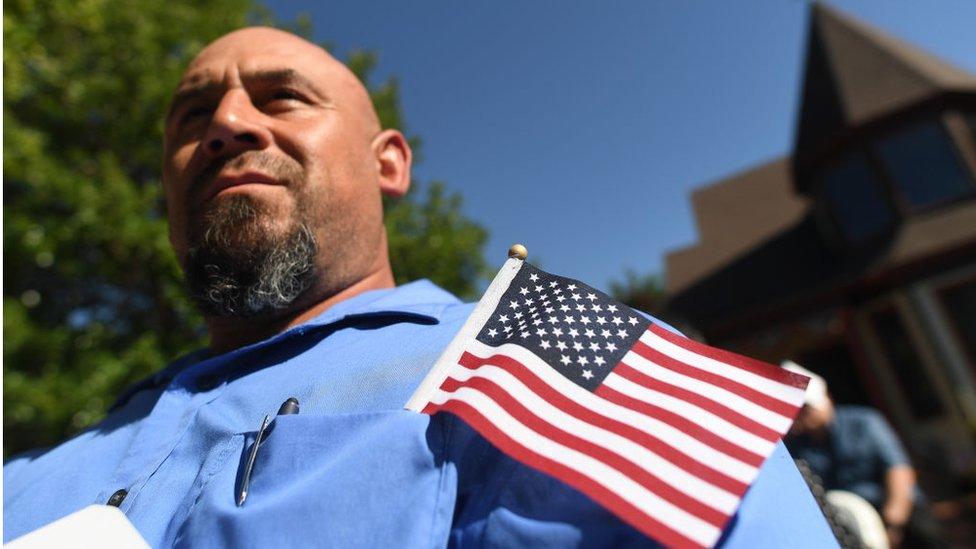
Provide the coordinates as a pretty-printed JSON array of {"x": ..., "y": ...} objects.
[{"x": 93, "y": 296}]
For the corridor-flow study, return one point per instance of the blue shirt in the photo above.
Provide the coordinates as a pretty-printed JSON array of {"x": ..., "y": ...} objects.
[
  {"x": 353, "y": 469},
  {"x": 858, "y": 450}
]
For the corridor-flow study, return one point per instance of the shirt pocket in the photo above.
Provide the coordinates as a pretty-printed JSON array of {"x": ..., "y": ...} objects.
[{"x": 370, "y": 479}]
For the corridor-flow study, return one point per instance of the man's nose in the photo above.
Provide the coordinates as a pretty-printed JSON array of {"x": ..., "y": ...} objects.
[{"x": 235, "y": 127}]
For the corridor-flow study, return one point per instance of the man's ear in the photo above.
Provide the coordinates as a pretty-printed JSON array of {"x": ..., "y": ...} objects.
[{"x": 393, "y": 157}]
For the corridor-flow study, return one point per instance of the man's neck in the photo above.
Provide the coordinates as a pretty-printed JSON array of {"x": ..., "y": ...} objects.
[{"x": 229, "y": 333}]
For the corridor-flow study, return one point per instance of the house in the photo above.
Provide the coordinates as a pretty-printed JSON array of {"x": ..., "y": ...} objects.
[{"x": 856, "y": 255}]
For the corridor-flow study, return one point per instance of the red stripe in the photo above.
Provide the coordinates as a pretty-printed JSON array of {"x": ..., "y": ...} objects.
[
  {"x": 682, "y": 424},
  {"x": 756, "y": 397},
  {"x": 614, "y": 460},
  {"x": 535, "y": 384},
  {"x": 757, "y": 367},
  {"x": 627, "y": 512},
  {"x": 626, "y": 371}
]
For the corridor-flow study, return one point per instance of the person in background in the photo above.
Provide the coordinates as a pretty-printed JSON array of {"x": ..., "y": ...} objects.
[{"x": 853, "y": 449}]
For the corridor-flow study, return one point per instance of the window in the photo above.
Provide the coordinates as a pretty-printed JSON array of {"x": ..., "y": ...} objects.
[
  {"x": 923, "y": 165},
  {"x": 960, "y": 305},
  {"x": 906, "y": 364},
  {"x": 856, "y": 198}
]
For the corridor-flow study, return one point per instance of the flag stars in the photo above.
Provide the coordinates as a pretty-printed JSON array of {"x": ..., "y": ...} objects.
[
  {"x": 560, "y": 298},
  {"x": 541, "y": 332},
  {"x": 518, "y": 315},
  {"x": 583, "y": 361},
  {"x": 560, "y": 345},
  {"x": 599, "y": 361},
  {"x": 557, "y": 332},
  {"x": 616, "y": 321},
  {"x": 611, "y": 347},
  {"x": 565, "y": 360},
  {"x": 537, "y": 321},
  {"x": 524, "y": 291},
  {"x": 594, "y": 346},
  {"x": 632, "y": 321},
  {"x": 503, "y": 319},
  {"x": 569, "y": 319},
  {"x": 507, "y": 329},
  {"x": 577, "y": 346},
  {"x": 587, "y": 374},
  {"x": 612, "y": 308},
  {"x": 564, "y": 308},
  {"x": 580, "y": 307},
  {"x": 591, "y": 296},
  {"x": 585, "y": 320},
  {"x": 514, "y": 304},
  {"x": 538, "y": 289},
  {"x": 600, "y": 320},
  {"x": 571, "y": 287},
  {"x": 576, "y": 296},
  {"x": 622, "y": 333},
  {"x": 596, "y": 308},
  {"x": 533, "y": 277},
  {"x": 573, "y": 332},
  {"x": 492, "y": 332},
  {"x": 605, "y": 334},
  {"x": 545, "y": 344}
]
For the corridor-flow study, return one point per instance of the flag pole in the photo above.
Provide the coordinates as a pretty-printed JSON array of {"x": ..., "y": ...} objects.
[{"x": 435, "y": 377}]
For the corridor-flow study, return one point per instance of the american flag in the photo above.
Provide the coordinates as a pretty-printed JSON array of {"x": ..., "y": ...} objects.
[{"x": 664, "y": 432}]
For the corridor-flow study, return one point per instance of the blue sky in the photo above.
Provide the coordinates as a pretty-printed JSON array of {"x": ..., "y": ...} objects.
[{"x": 580, "y": 128}]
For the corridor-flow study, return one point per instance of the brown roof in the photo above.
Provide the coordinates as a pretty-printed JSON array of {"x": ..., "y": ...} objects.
[
  {"x": 733, "y": 216},
  {"x": 794, "y": 266},
  {"x": 856, "y": 73}
]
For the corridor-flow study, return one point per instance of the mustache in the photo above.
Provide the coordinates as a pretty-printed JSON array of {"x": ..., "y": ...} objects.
[{"x": 284, "y": 169}]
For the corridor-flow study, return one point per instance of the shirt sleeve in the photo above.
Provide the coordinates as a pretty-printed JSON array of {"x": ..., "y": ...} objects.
[
  {"x": 778, "y": 510},
  {"x": 889, "y": 447}
]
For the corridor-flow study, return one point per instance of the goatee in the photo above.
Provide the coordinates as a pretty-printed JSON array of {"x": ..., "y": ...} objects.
[{"x": 239, "y": 267}]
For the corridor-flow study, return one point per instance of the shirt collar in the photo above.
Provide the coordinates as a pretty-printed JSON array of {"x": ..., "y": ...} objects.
[{"x": 419, "y": 301}]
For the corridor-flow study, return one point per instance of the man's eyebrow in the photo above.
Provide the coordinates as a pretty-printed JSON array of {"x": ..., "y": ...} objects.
[{"x": 265, "y": 77}]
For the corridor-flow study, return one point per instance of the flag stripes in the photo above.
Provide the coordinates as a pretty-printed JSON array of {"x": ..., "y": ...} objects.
[{"x": 666, "y": 433}]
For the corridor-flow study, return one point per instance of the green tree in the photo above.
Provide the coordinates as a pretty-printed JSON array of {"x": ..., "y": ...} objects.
[
  {"x": 643, "y": 292},
  {"x": 93, "y": 296}
]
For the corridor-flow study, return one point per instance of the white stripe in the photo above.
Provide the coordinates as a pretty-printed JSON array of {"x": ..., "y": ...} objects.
[
  {"x": 663, "y": 431},
  {"x": 703, "y": 418},
  {"x": 679, "y": 479},
  {"x": 448, "y": 359},
  {"x": 613, "y": 480},
  {"x": 718, "y": 394},
  {"x": 780, "y": 391}
]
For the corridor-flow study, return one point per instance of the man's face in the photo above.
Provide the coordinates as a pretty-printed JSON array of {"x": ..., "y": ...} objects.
[{"x": 268, "y": 148}]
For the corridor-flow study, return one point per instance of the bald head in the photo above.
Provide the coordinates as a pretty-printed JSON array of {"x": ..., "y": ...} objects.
[
  {"x": 266, "y": 123},
  {"x": 267, "y": 46}
]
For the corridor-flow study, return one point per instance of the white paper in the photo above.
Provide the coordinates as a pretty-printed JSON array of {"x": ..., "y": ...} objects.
[{"x": 94, "y": 527}]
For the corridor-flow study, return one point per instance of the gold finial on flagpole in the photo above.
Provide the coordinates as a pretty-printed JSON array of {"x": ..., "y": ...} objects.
[{"x": 518, "y": 251}]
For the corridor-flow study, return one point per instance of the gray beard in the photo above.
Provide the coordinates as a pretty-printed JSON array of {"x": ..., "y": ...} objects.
[{"x": 257, "y": 279}]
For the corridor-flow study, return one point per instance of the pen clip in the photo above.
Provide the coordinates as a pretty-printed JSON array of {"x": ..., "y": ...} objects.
[{"x": 249, "y": 466}]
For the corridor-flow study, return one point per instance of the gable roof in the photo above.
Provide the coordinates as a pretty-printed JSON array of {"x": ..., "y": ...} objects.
[{"x": 856, "y": 73}]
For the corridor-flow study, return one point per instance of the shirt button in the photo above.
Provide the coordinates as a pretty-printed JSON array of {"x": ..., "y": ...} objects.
[
  {"x": 116, "y": 499},
  {"x": 205, "y": 382}
]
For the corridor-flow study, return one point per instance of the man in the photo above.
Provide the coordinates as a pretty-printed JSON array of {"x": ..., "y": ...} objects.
[
  {"x": 853, "y": 449},
  {"x": 275, "y": 166}
]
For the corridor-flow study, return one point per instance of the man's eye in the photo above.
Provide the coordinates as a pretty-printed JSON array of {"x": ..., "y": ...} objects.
[
  {"x": 194, "y": 112},
  {"x": 285, "y": 95}
]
